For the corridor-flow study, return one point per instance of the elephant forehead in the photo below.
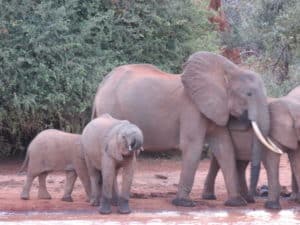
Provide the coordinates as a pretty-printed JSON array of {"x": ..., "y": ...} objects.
[
  {"x": 247, "y": 81},
  {"x": 133, "y": 132}
]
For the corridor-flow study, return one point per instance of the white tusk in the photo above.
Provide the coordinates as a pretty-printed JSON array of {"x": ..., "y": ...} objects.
[
  {"x": 274, "y": 146},
  {"x": 261, "y": 137},
  {"x": 129, "y": 148}
]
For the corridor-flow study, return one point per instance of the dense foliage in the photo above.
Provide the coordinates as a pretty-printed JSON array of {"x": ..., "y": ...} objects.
[
  {"x": 270, "y": 30},
  {"x": 54, "y": 53}
]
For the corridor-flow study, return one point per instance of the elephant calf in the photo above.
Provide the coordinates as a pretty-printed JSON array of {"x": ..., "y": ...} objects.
[
  {"x": 54, "y": 150},
  {"x": 285, "y": 131},
  {"x": 109, "y": 144},
  {"x": 242, "y": 142}
]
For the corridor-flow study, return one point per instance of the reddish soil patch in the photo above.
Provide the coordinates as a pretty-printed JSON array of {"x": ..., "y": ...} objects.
[{"x": 154, "y": 186}]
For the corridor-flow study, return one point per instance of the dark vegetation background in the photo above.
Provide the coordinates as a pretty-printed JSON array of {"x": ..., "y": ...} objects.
[{"x": 54, "y": 53}]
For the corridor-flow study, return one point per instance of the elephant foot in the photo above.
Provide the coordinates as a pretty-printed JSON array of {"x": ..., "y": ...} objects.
[
  {"x": 183, "y": 202},
  {"x": 209, "y": 196},
  {"x": 94, "y": 202},
  {"x": 44, "y": 195},
  {"x": 67, "y": 199},
  {"x": 293, "y": 197},
  {"x": 249, "y": 198},
  {"x": 237, "y": 201},
  {"x": 105, "y": 207},
  {"x": 123, "y": 206},
  {"x": 272, "y": 205},
  {"x": 24, "y": 196}
]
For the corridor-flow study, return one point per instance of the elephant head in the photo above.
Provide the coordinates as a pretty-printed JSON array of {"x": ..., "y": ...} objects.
[
  {"x": 285, "y": 114},
  {"x": 124, "y": 139},
  {"x": 220, "y": 88}
]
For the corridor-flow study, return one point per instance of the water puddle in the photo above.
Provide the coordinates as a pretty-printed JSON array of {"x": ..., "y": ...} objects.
[{"x": 206, "y": 217}]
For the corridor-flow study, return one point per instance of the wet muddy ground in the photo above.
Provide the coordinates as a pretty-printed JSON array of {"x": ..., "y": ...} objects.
[{"x": 154, "y": 186}]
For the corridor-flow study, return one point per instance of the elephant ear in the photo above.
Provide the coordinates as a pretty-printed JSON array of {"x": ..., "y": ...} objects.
[
  {"x": 113, "y": 144},
  {"x": 282, "y": 124},
  {"x": 205, "y": 79},
  {"x": 294, "y": 108}
]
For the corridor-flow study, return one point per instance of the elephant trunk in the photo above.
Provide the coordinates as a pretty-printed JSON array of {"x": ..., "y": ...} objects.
[
  {"x": 255, "y": 165},
  {"x": 260, "y": 118}
]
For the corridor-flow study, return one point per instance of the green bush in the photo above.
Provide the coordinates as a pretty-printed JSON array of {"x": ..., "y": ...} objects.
[
  {"x": 54, "y": 53},
  {"x": 271, "y": 30},
  {"x": 276, "y": 89}
]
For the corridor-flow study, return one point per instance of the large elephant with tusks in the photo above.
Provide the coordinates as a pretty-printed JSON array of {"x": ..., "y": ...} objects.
[{"x": 180, "y": 111}]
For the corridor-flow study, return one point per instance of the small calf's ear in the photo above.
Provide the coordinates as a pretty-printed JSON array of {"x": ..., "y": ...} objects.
[
  {"x": 294, "y": 108},
  {"x": 282, "y": 124},
  {"x": 112, "y": 148},
  {"x": 298, "y": 132},
  {"x": 297, "y": 128}
]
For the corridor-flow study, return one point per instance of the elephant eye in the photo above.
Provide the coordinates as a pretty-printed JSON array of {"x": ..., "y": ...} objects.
[{"x": 249, "y": 93}]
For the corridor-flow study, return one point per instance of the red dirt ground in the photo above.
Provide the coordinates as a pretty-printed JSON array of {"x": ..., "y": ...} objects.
[{"x": 154, "y": 186}]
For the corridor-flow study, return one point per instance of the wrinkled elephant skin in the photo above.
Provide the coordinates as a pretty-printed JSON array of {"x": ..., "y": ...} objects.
[{"x": 179, "y": 111}]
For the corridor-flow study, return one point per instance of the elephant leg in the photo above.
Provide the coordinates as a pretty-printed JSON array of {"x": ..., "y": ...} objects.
[
  {"x": 27, "y": 186},
  {"x": 70, "y": 181},
  {"x": 108, "y": 176},
  {"x": 115, "y": 193},
  {"x": 241, "y": 168},
  {"x": 192, "y": 134},
  {"x": 127, "y": 176},
  {"x": 209, "y": 185},
  {"x": 100, "y": 184},
  {"x": 43, "y": 193},
  {"x": 294, "y": 157},
  {"x": 95, "y": 181},
  {"x": 295, "y": 188},
  {"x": 82, "y": 172},
  {"x": 95, "y": 192},
  {"x": 271, "y": 163},
  {"x": 189, "y": 166},
  {"x": 221, "y": 145},
  {"x": 294, "y": 185}
]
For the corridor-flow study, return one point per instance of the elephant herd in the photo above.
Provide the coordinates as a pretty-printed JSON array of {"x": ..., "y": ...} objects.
[
  {"x": 105, "y": 145},
  {"x": 140, "y": 107}
]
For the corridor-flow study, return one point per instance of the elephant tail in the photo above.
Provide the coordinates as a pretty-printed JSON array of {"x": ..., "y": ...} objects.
[{"x": 24, "y": 165}]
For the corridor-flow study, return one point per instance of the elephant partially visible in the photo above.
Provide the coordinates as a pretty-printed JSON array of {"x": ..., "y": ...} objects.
[
  {"x": 110, "y": 144},
  {"x": 285, "y": 131},
  {"x": 179, "y": 111},
  {"x": 54, "y": 150}
]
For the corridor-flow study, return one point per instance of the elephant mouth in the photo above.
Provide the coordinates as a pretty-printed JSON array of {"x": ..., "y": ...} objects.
[
  {"x": 130, "y": 151},
  {"x": 238, "y": 114},
  {"x": 265, "y": 141},
  {"x": 127, "y": 153}
]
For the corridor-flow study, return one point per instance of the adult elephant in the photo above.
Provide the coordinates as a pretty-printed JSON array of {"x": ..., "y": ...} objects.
[
  {"x": 285, "y": 131},
  {"x": 180, "y": 111}
]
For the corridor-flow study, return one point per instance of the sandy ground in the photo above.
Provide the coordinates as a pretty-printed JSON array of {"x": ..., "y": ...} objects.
[{"x": 154, "y": 186}]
